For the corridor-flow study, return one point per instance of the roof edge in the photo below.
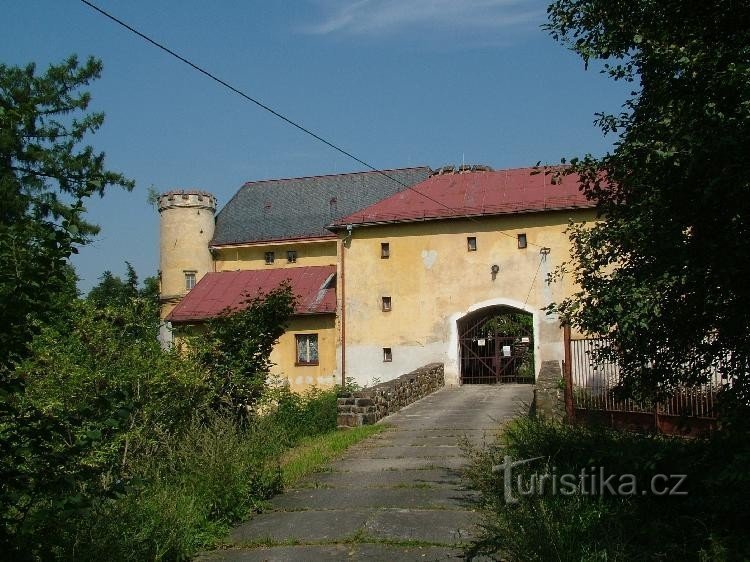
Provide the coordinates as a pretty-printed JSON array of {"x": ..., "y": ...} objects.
[
  {"x": 270, "y": 241},
  {"x": 335, "y": 227},
  {"x": 320, "y": 176}
]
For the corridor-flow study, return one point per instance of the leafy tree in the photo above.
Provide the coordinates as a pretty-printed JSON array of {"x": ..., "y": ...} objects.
[
  {"x": 235, "y": 347},
  {"x": 660, "y": 272},
  {"x": 112, "y": 290},
  {"x": 45, "y": 178}
]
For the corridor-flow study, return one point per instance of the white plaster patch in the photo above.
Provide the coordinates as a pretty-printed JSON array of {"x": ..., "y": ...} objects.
[
  {"x": 299, "y": 381},
  {"x": 309, "y": 380},
  {"x": 429, "y": 257}
]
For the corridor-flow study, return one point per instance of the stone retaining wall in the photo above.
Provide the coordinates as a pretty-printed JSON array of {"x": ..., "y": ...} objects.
[
  {"x": 367, "y": 406},
  {"x": 549, "y": 396}
]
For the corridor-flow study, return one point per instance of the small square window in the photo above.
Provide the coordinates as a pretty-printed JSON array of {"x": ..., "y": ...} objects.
[
  {"x": 471, "y": 243},
  {"x": 291, "y": 256},
  {"x": 522, "y": 240},
  {"x": 270, "y": 258},
  {"x": 386, "y": 304},
  {"x": 189, "y": 280},
  {"x": 307, "y": 349},
  {"x": 385, "y": 250},
  {"x": 387, "y": 355}
]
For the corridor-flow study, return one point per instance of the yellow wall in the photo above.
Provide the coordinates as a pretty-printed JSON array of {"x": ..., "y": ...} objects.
[
  {"x": 302, "y": 377},
  {"x": 433, "y": 281},
  {"x": 309, "y": 253},
  {"x": 231, "y": 258}
]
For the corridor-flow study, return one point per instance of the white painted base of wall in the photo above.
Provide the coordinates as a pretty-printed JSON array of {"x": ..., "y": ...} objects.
[{"x": 364, "y": 363}]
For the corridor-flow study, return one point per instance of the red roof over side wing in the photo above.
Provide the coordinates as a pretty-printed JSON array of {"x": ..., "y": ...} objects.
[
  {"x": 476, "y": 193},
  {"x": 315, "y": 288}
]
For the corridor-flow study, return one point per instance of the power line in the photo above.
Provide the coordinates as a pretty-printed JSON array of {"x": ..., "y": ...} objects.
[
  {"x": 543, "y": 255},
  {"x": 274, "y": 112}
]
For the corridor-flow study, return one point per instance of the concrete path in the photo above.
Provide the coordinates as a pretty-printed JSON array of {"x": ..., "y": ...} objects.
[{"x": 396, "y": 496}]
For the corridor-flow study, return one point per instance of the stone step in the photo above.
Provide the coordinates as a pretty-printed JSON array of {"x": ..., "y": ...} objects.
[
  {"x": 399, "y": 451},
  {"x": 443, "y": 527},
  {"x": 356, "y": 498},
  {"x": 370, "y": 465},
  {"x": 335, "y": 553},
  {"x": 390, "y": 478}
]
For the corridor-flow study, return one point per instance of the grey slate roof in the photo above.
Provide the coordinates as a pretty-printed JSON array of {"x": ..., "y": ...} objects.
[{"x": 302, "y": 207}]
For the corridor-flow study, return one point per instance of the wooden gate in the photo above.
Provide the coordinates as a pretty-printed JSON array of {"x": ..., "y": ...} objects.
[{"x": 496, "y": 346}]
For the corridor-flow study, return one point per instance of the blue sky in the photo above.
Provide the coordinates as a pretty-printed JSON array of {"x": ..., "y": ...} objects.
[{"x": 397, "y": 82}]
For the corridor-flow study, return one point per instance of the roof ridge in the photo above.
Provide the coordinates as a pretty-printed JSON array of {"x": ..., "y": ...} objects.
[{"x": 320, "y": 176}]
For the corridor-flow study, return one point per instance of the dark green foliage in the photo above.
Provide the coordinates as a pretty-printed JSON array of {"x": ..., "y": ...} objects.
[
  {"x": 710, "y": 523},
  {"x": 297, "y": 416},
  {"x": 45, "y": 178},
  {"x": 510, "y": 324},
  {"x": 660, "y": 272},
  {"x": 152, "y": 462},
  {"x": 214, "y": 473},
  {"x": 114, "y": 291},
  {"x": 111, "y": 290},
  {"x": 99, "y": 393},
  {"x": 235, "y": 347},
  {"x": 187, "y": 496}
]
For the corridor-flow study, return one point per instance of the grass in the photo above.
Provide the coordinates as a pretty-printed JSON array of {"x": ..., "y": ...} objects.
[
  {"x": 186, "y": 496},
  {"x": 710, "y": 523},
  {"x": 313, "y": 453}
]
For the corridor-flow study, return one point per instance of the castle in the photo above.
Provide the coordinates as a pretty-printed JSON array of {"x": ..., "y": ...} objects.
[{"x": 392, "y": 269}]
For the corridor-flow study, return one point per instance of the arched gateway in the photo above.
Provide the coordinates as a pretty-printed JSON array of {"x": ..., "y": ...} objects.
[{"x": 496, "y": 345}]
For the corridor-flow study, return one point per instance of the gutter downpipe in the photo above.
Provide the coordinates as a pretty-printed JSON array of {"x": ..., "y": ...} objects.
[{"x": 343, "y": 313}]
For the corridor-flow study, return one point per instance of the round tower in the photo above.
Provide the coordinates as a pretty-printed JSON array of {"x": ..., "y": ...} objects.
[{"x": 186, "y": 221}]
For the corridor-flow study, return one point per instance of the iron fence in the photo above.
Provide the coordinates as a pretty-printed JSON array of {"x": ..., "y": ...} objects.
[{"x": 594, "y": 378}]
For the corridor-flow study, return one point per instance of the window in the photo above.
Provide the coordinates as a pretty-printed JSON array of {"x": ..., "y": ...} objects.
[
  {"x": 386, "y": 304},
  {"x": 385, "y": 250},
  {"x": 189, "y": 280},
  {"x": 270, "y": 258},
  {"x": 291, "y": 256},
  {"x": 387, "y": 355},
  {"x": 471, "y": 243},
  {"x": 522, "y": 240},
  {"x": 307, "y": 349}
]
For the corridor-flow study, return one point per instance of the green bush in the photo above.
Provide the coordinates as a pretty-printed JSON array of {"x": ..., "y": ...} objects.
[
  {"x": 186, "y": 497},
  {"x": 297, "y": 416},
  {"x": 709, "y": 523},
  {"x": 213, "y": 475}
]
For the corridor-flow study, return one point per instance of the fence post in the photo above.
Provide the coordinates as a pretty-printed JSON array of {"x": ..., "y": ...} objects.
[{"x": 568, "y": 374}]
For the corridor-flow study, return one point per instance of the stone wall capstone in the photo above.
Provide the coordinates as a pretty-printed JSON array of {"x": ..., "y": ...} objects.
[
  {"x": 549, "y": 396},
  {"x": 367, "y": 406}
]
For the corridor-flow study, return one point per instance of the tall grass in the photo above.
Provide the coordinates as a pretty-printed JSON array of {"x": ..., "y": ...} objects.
[
  {"x": 193, "y": 487},
  {"x": 712, "y": 522}
]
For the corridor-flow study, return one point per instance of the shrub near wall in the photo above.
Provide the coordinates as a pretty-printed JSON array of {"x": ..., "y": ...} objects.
[{"x": 367, "y": 406}]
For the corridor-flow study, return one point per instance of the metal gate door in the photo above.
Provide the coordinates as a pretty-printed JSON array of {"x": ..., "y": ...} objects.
[{"x": 496, "y": 346}]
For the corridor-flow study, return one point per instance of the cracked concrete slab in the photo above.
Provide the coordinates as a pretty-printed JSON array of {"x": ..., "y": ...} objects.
[{"x": 396, "y": 496}]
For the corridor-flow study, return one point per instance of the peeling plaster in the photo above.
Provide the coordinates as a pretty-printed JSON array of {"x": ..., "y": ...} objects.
[{"x": 429, "y": 257}]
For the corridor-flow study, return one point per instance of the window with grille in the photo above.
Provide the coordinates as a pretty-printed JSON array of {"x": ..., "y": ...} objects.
[
  {"x": 307, "y": 349},
  {"x": 291, "y": 256},
  {"x": 270, "y": 258},
  {"x": 386, "y": 303},
  {"x": 385, "y": 250},
  {"x": 522, "y": 240},
  {"x": 387, "y": 355},
  {"x": 471, "y": 243}
]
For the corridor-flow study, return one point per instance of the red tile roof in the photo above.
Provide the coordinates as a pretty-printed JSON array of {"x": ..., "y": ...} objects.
[
  {"x": 455, "y": 195},
  {"x": 315, "y": 288}
]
